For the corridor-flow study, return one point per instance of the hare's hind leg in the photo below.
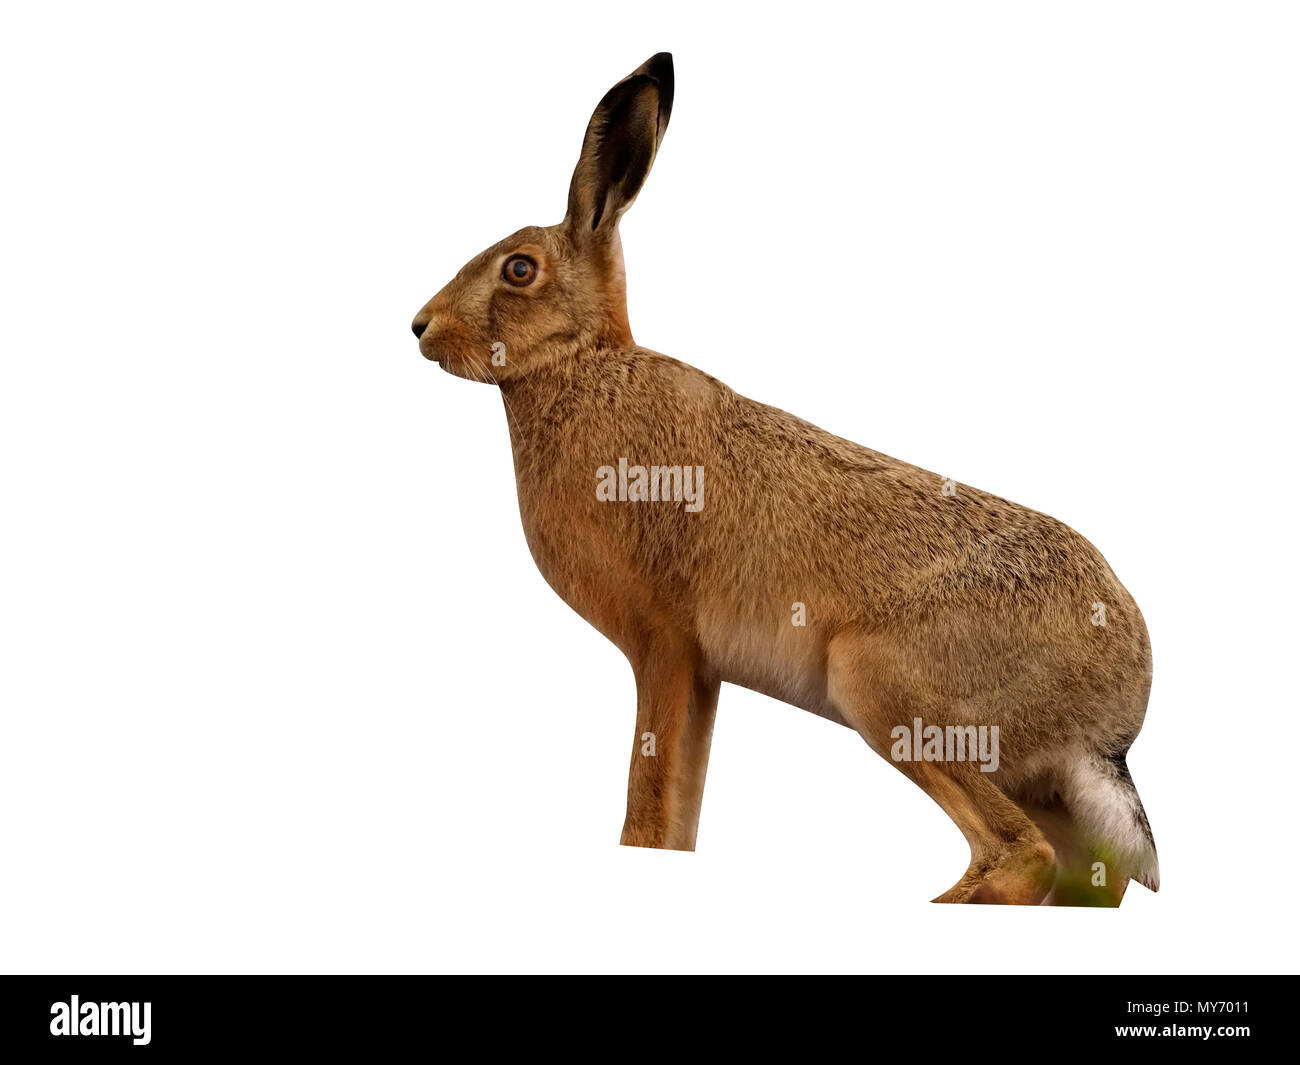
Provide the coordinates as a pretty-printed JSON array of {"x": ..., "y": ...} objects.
[
  {"x": 670, "y": 752},
  {"x": 1011, "y": 860}
]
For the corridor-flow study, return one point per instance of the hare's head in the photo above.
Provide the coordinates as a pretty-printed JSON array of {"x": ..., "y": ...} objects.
[{"x": 542, "y": 295}]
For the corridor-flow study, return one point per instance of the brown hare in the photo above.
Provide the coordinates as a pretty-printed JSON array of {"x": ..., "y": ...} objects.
[{"x": 984, "y": 648}]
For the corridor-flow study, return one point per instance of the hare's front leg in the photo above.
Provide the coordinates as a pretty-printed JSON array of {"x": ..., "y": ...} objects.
[
  {"x": 696, "y": 740},
  {"x": 670, "y": 753}
]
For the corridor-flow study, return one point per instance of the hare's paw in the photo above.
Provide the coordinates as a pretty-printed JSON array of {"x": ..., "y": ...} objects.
[{"x": 1021, "y": 875}]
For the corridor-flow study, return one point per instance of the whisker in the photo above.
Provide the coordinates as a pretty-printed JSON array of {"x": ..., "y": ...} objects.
[{"x": 510, "y": 411}]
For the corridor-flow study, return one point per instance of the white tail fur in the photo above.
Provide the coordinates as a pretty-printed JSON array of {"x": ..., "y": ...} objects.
[{"x": 1104, "y": 802}]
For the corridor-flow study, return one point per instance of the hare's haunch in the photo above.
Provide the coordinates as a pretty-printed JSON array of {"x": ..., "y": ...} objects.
[{"x": 985, "y": 649}]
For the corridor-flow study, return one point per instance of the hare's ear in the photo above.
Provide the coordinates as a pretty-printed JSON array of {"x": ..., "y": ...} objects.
[{"x": 620, "y": 145}]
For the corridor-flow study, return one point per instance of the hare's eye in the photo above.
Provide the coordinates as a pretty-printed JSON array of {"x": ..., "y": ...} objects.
[{"x": 519, "y": 271}]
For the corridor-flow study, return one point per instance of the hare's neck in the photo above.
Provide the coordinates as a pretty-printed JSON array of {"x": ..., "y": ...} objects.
[
  {"x": 533, "y": 404},
  {"x": 617, "y": 328},
  {"x": 541, "y": 406}
]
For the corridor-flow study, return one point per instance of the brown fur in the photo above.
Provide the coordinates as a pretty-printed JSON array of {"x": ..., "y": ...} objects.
[{"x": 955, "y": 607}]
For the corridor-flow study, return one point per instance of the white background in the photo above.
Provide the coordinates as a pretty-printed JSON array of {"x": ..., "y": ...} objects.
[{"x": 282, "y": 688}]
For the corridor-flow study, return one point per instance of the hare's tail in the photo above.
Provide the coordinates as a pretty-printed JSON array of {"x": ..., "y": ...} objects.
[{"x": 1105, "y": 804}]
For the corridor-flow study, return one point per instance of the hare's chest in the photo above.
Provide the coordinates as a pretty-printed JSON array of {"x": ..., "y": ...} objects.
[{"x": 578, "y": 545}]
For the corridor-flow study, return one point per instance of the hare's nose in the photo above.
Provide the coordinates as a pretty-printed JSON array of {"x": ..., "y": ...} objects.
[{"x": 418, "y": 326}]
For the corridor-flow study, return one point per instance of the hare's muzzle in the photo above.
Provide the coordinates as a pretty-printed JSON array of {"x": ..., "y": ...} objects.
[{"x": 420, "y": 327}]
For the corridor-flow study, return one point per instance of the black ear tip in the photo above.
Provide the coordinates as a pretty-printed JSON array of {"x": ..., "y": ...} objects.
[{"x": 658, "y": 66}]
